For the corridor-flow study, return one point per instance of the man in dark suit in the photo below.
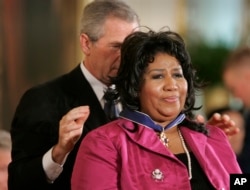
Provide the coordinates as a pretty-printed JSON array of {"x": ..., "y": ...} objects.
[
  {"x": 48, "y": 123},
  {"x": 51, "y": 119}
]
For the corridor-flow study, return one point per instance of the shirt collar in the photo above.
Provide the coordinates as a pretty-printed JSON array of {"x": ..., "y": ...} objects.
[{"x": 96, "y": 85}]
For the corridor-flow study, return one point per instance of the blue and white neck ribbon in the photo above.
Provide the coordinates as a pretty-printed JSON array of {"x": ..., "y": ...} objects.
[{"x": 145, "y": 120}]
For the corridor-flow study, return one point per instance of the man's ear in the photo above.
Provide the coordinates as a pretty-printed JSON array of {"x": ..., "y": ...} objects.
[{"x": 85, "y": 43}]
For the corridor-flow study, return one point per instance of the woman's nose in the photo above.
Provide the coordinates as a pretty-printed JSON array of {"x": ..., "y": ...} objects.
[{"x": 170, "y": 84}]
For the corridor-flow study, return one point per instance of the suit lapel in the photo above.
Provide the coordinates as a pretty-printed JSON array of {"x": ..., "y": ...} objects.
[{"x": 83, "y": 94}]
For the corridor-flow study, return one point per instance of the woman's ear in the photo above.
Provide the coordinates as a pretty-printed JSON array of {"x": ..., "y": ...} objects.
[{"x": 85, "y": 43}]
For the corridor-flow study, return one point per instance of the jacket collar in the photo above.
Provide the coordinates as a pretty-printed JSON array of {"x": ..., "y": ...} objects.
[{"x": 148, "y": 138}]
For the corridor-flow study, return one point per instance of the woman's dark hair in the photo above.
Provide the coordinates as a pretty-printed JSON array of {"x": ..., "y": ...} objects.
[{"x": 138, "y": 51}]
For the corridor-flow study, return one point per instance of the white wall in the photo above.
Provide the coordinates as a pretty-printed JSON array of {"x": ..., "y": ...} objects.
[
  {"x": 156, "y": 13},
  {"x": 213, "y": 20}
]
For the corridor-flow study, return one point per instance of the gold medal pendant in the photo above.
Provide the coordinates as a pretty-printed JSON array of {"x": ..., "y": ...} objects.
[{"x": 164, "y": 139}]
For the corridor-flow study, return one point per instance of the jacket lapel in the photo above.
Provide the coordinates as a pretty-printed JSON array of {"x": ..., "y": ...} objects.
[
  {"x": 196, "y": 141},
  {"x": 83, "y": 94},
  {"x": 145, "y": 137},
  {"x": 208, "y": 158}
]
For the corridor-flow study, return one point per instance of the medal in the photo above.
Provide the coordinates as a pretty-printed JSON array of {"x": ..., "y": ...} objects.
[{"x": 164, "y": 139}]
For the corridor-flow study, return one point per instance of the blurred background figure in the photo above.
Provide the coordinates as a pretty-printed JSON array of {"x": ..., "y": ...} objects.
[
  {"x": 236, "y": 74},
  {"x": 5, "y": 158},
  {"x": 236, "y": 77}
]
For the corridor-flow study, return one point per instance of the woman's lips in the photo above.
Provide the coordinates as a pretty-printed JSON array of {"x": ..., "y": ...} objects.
[{"x": 171, "y": 99}]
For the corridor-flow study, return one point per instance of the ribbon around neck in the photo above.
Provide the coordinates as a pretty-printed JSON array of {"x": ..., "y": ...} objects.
[{"x": 144, "y": 119}]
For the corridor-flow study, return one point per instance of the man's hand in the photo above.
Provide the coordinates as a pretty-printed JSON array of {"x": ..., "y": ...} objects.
[
  {"x": 224, "y": 122},
  {"x": 70, "y": 130}
]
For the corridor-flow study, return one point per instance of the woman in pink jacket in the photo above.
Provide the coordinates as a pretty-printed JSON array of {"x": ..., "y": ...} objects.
[{"x": 156, "y": 143}]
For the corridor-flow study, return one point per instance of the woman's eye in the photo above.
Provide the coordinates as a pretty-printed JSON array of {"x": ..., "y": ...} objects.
[
  {"x": 159, "y": 76},
  {"x": 178, "y": 75}
]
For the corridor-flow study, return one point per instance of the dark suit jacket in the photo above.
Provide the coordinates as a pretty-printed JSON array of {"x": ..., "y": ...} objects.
[
  {"x": 36, "y": 124},
  {"x": 244, "y": 156}
]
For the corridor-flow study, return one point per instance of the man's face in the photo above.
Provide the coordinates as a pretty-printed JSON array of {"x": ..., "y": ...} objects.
[
  {"x": 237, "y": 81},
  {"x": 103, "y": 59}
]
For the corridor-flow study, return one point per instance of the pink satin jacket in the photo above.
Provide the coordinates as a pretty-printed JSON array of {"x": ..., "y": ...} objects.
[{"x": 120, "y": 155}]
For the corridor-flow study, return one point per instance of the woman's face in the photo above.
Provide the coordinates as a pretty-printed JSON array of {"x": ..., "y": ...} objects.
[{"x": 164, "y": 89}]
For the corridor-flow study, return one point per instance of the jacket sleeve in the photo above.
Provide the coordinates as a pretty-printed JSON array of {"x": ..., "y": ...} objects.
[
  {"x": 34, "y": 131},
  {"x": 97, "y": 164}
]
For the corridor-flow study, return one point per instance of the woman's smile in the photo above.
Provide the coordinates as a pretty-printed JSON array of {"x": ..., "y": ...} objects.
[{"x": 171, "y": 99}]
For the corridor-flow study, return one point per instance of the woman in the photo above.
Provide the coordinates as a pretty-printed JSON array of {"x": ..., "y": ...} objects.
[{"x": 156, "y": 143}]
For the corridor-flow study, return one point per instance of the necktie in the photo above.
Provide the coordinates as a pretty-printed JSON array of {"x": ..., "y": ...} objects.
[{"x": 111, "y": 101}]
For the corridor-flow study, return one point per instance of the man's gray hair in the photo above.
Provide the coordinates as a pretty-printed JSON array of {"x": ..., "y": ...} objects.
[{"x": 95, "y": 14}]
